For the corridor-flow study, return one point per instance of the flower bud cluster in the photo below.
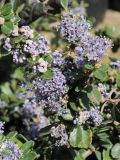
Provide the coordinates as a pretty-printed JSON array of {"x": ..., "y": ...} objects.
[{"x": 73, "y": 28}]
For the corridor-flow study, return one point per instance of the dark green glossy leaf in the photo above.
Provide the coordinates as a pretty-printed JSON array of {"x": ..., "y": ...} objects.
[
  {"x": 7, "y": 28},
  {"x": 64, "y": 4},
  {"x": 80, "y": 137},
  {"x": 115, "y": 152},
  {"x": 94, "y": 95},
  {"x": 7, "y": 8}
]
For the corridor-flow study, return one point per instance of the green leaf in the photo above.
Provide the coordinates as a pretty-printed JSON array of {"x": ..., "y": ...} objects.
[
  {"x": 78, "y": 156},
  {"x": 47, "y": 58},
  {"x": 48, "y": 75},
  {"x": 64, "y": 4},
  {"x": 89, "y": 66},
  {"x": 118, "y": 80},
  {"x": 29, "y": 156},
  {"x": 11, "y": 135},
  {"x": 7, "y": 28},
  {"x": 17, "y": 19},
  {"x": 84, "y": 100},
  {"x": 7, "y": 8},
  {"x": 80, "y": 137},
  {"x": 18, "y": 74},
  {"x": 9, "y": 17},
  {"x": 106, "y": 155},
  {"x": 115, "y": 152},
  {"x": 68, "y": 116},
  {"x": 7, "y": 90},
  {"x": 74, "y": 107},
  {"x": 27, "y": 146},
  {"x": 2, "y": 137},
  {"x": 101, "y": 73},
  {"x": 94, "y": 95},
  {"x": 98, "y": 155}
]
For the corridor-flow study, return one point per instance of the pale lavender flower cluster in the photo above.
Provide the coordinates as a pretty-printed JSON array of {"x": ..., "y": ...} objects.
[
  {"x": 43, "y": 45},
  {"x": 57, "y": 59},
  {"x": 36, "y": 48},
  {"x": 73, "y": 29},
  {"x": 51, "y": 93},
  {"x": 27, "y": 47},
  {"x": 96, "y": 116},
  {"x": 60, "y": 134},
  {"x": 1, "y": 127},
  {"x": 90, "y": 49},
  {"x": 93, "y": 114},
  {"x": 10, "y": 151}
]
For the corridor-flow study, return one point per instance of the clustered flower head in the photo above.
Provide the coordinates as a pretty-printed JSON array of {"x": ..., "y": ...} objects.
[
  {"x": 1, "y": 127},
  {"x": 73, "y": 28},
  {"x": 50, "y": 93},
  {"x": 57, "y": 59},
  {"x": 60, "y": 134},
  {"x": 27, "y": 47},
  {"x": 10, "y": 151},
  {"x": 90, "y": 49},
  {"x": 93, "y": 114}
]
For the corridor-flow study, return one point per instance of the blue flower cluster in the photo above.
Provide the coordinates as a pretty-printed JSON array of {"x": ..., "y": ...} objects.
[
  {"x": 90, "y": 49},
  {"x": 57, "y": 59},
  {"x": 10, "y": 151},
  {"x": 93, "y": 114},
  {"x": 27, "y": 47},
  {"x": 51, "y": 92},
  {"x": 73, "y": 28}
]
